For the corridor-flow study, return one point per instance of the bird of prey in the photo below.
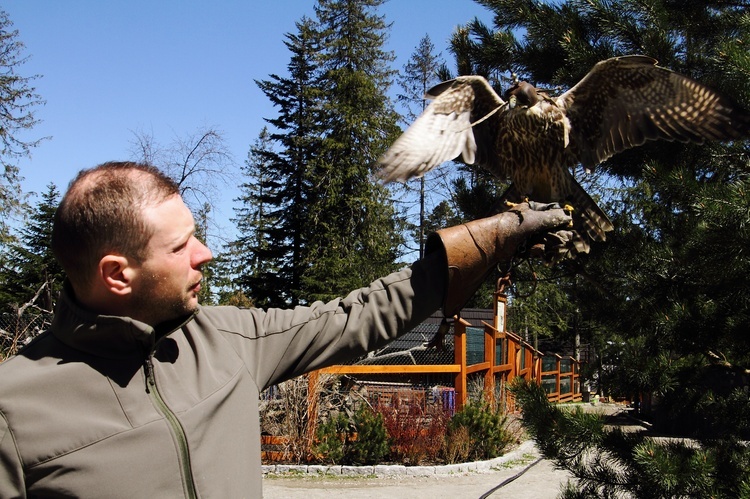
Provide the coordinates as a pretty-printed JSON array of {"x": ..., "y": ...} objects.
[{"x": 534, "y": 139}]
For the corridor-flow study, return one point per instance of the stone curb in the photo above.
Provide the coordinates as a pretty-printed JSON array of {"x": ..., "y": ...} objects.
[{"x": 526, "y": 447}]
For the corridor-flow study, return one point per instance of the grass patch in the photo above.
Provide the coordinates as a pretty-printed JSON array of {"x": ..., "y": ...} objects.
[{"x": 521, "y": 461}]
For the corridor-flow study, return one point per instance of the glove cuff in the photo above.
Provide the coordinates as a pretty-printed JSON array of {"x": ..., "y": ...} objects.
[
  {"x": 469, "y": 257},
  {"x": 472, "y": 249}
]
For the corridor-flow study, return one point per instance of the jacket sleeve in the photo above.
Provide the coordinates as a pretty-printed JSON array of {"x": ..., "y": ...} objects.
[
  {"x": 11, "y": 470},
  {"x": 277, "y": 344}
]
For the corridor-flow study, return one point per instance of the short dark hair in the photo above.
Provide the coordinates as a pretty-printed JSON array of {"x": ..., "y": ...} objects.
[{"x": 101, "y": 213}]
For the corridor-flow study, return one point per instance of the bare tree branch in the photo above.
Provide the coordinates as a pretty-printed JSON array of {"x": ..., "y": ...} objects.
[{"x": 200, "y": 163}]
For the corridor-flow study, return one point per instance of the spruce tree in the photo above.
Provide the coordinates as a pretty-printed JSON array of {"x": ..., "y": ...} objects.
[
  {"x": 29, "y": 268},
  {"x": 18, "y": 99},
  {"x": 297, "y": 144},
  {"x": 353, "y": 235},
  {"x": 268, "y": 258},
  {"x": 210, "y": 280},
  {"x": 419, "y": 75},
  {"x": 251, "y": 260}
]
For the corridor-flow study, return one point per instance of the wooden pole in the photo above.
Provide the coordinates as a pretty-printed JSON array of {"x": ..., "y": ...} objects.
[
  {"x": 489, "y": 358},
  {"x": 313, "y": 380},
  {"x": 459, "y": 355}
]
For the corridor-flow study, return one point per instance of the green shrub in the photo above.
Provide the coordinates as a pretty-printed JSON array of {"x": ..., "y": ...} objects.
[
  {"x": 487, "y": 432},
  {"x": 331, "y": 439},
  {"x": 363, "y": 440},
  {"x": 371, "y": 444},
  {"x": 457, "y": 444}
]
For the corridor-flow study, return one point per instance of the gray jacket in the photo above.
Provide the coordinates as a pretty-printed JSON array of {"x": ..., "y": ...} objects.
[{"x": 102, "y": 406}]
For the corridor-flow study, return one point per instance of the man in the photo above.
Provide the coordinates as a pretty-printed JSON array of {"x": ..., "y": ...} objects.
[{"x": 137, "y": 391}]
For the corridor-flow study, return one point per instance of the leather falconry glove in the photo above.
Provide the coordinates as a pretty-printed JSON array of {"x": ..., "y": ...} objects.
[{"x": 473, "y": 249}]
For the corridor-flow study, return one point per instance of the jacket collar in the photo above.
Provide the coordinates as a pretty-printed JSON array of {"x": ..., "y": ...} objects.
[{"x": 106, "y": 336}]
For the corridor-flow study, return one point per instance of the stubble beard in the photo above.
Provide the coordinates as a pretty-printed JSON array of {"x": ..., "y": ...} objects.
[{"x": 160, "y": 305}]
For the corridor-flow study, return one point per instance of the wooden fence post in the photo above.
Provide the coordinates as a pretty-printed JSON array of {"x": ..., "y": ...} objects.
[
  {"x": 313, "y": 380},
  {"x": 459, "y": 358},
  {"x": 489, "y": 357}
]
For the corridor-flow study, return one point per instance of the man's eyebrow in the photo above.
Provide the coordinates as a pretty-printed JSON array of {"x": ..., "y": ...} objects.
[
  {"x": 187, "y": 235},
  {"x": 182, "y": 239}
]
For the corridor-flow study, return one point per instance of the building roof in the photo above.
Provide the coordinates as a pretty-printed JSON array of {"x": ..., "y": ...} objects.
[
  {"x": 414, "y": 347},
  {"x": 474, "y": 316}
]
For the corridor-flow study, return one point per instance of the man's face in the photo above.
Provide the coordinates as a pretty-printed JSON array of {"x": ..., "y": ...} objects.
[{"x": 169, "y": 279}]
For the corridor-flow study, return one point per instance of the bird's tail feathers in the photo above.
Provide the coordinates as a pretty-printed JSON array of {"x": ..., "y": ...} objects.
[{"x": 588, "y": 218}]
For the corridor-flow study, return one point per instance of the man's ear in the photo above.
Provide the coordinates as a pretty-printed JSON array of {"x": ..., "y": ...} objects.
[{"x": 116, "y": 273}]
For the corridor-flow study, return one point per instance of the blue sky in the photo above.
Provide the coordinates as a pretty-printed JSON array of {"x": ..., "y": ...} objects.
[{"x": 170, "y": 67}]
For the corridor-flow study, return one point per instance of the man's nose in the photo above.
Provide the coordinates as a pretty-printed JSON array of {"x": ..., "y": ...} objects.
[{"x": 201, "y": 254}]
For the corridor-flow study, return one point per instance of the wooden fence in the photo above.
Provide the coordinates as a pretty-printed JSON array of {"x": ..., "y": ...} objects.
[
  {"x": 505, "y": 357},
  {"x": 502, "y": 357}
]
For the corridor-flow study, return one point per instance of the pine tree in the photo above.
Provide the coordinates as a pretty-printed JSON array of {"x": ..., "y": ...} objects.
[
  {"x": 353, "y": 237},
  {"x": 665, "y": 300},
  {"x": 30, "y": 268}
]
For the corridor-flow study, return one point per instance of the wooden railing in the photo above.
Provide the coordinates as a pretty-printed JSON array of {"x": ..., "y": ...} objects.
[{"x": 506, "y": 356}]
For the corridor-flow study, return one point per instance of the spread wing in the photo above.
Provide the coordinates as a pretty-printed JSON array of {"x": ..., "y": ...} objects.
[
  {"x": 445, "y": 130},
  {"x": 625, "y": 101}
]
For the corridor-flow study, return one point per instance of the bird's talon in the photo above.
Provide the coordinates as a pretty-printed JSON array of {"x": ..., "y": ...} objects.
[{"x": 511, "y": 204}]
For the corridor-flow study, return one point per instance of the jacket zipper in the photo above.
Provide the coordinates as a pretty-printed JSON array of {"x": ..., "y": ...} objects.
[{"x": 177, "y": 431}]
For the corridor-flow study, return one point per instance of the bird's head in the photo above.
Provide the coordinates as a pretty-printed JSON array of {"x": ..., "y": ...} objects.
[{"x": 521, "y": 93}]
